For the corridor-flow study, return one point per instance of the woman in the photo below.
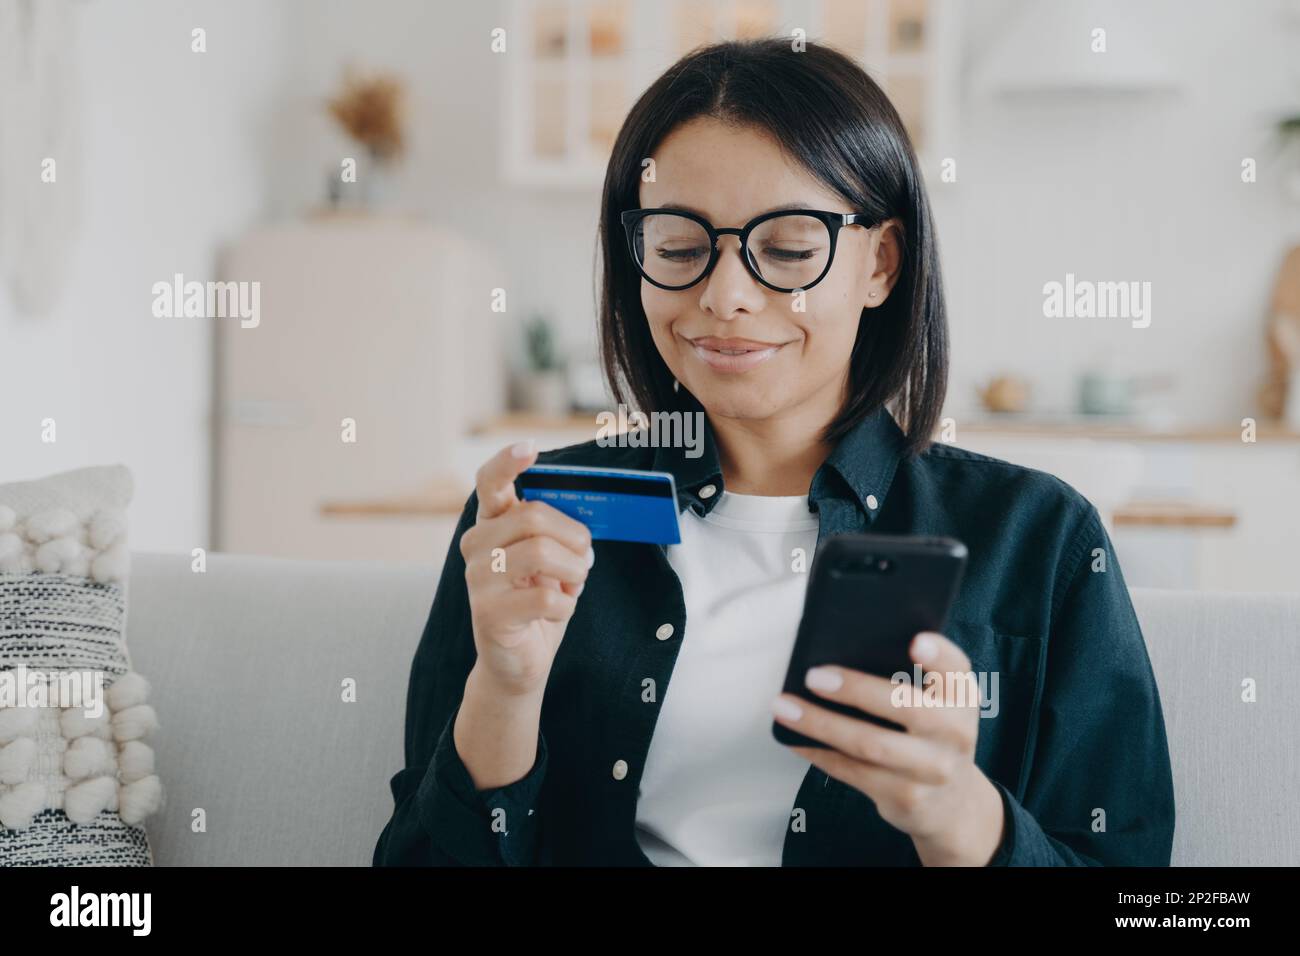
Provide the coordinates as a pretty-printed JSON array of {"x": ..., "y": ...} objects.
[{"x": 542, "y": 727}]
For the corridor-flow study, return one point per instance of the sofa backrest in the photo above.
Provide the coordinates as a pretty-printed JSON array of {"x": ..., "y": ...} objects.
[
  {"x": 1236, "y": 761},
  {"x": 249, "y": 662}
]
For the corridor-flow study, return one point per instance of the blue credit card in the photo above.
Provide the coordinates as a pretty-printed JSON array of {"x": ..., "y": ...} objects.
[{"x": 616, "y": 504}]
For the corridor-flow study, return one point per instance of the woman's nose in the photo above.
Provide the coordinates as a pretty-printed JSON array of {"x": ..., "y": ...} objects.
[{"x": 729, "y": 288}]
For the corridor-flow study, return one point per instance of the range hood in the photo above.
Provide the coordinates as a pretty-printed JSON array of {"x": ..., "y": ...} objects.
[{"x": 1047, "y": 48}]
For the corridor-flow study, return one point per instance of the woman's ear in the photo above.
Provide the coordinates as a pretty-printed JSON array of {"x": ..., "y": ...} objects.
[{"x": 887, "y": 244}]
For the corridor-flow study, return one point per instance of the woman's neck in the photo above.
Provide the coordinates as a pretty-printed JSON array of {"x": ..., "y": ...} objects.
[{"x": 769, "y": 457}]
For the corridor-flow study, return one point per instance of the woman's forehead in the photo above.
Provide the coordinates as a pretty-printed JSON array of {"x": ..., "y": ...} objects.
[{"x": 728, "y": 170}]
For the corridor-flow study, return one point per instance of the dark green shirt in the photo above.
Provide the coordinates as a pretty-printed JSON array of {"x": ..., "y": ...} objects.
[{"x": 1077, "y": 748}]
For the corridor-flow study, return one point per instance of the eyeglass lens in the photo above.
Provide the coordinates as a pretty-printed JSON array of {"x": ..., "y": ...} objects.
[{"x": 788, "y": 251}]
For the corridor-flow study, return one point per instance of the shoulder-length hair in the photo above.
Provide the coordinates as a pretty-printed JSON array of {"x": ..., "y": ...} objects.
[{"x": 838, "y": 124}]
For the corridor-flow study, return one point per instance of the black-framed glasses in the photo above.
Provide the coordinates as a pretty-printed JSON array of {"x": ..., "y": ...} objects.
[{"x": 786, "y": 250}]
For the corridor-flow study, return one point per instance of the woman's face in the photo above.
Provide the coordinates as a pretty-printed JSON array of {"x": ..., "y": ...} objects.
[{"x": 794, "y": 362}]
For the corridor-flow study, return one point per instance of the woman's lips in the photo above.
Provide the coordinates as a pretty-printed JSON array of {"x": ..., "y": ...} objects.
[{"x": 737, "y": 356}]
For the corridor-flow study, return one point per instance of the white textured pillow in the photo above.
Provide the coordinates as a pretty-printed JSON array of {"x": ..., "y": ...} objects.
[{"x": 76, "y": 778}]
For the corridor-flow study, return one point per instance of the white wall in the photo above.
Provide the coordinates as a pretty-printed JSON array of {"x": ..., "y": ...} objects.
[
  {"x": 171, "y": 164},
  {"x": 1123, "y": 187}
]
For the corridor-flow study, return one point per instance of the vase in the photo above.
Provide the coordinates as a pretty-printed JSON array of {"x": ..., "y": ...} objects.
[
  {"x": 378, "y": 184},
  {"x": 545, "y": 393}
]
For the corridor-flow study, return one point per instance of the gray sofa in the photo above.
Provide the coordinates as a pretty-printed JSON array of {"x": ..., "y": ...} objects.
[{"x": 248, "y": 663}]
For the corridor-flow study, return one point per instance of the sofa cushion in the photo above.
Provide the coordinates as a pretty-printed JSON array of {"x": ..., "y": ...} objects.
[
  {"x": 1223, "y": 662},
  {"x": 76, "y": 778},
  {"x": 282, "y": 685}
]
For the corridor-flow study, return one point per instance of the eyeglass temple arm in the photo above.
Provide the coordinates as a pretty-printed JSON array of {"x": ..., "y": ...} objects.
[{"x": 857, "y": 219}]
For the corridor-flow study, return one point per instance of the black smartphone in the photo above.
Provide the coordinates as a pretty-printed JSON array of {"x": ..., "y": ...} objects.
[{"x": 868, "y": 596}]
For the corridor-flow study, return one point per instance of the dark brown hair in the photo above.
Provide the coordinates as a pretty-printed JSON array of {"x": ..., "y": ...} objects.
[{"x": 838, "y": 124}]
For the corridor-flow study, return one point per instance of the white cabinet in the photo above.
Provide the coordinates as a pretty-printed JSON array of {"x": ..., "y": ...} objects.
[
  {"x": 575, "y": 67},
  {"x": 384, "y": 323},
  {"x": 1256, "y": 483}
]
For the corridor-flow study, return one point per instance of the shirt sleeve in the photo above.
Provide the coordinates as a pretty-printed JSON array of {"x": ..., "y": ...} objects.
[
  {"x": 1003, "y": 855},
  {"x": 439, "y": 817},
  {"x": 1099, "y": 788}
]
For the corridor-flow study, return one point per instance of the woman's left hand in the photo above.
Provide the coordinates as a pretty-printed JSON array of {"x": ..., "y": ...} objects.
[{"x": 923, "y": 780}]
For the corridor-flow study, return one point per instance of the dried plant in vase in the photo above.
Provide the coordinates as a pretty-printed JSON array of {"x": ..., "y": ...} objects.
[{"x": 371, "y": 108}]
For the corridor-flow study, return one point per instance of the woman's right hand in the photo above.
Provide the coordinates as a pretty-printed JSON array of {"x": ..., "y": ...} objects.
[{"x": 525, "y": 565}]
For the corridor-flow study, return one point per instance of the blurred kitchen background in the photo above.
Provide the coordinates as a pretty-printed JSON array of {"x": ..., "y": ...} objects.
[{"x": 213, "y": 139}]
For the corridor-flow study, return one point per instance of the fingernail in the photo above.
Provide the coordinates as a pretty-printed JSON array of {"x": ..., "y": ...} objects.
[
  {"x": 823, "y": 678},
  {"x": 925, "y": 647},
  {"x": 591, "y": 556},
  {"x": 785, "y": 707},
  {"x": 522, "y": 449}
]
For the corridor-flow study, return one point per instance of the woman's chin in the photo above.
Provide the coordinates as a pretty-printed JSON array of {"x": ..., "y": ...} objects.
[{"x": 737, "y": 403}]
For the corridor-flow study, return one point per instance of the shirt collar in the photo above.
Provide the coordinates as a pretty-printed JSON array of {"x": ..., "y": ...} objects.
[{"x": 861, "y": 467}]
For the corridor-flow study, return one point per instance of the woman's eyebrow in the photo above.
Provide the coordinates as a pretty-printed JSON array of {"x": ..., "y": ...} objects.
[{"x": 784, "y": 207}]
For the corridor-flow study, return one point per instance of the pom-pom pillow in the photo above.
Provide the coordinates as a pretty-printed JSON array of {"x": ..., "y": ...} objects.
[{"x": 76, "y": 777}]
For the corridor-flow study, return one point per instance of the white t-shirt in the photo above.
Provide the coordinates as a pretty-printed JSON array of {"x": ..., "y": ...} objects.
[{"x": 718, "y": 789}]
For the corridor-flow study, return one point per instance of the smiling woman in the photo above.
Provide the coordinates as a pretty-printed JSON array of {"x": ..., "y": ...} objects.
[
  {"x": 736, "y": 142},
  {"x": 777, "y": 275}
]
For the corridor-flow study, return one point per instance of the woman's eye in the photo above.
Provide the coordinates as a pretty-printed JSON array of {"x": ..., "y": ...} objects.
[
  {"x": 788, "y": 255},
  {"x": 688, "y": 254}
]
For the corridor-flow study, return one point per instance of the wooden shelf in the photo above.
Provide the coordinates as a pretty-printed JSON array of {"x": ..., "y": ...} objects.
[
  {"x": 515, "y": 421},
  {"x": 1012, "y": 427},
  {"x": 1124, "y": 431},
  {"x": 1173, "y": 514},
  {"x": 443, "y": 499}
]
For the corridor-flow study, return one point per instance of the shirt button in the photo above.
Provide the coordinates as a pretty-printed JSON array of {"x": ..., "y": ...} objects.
[
  {"x": 872, "y": 503},
  {"x": 708, "y": 491},
  {"x": 664, "y": 632},
  {"x": 620, "y": 769}
]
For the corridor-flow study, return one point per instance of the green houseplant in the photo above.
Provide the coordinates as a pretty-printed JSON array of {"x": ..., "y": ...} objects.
[
  {"x": 1288, "y": 134},
  {"x": 543, "y": 386}
]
